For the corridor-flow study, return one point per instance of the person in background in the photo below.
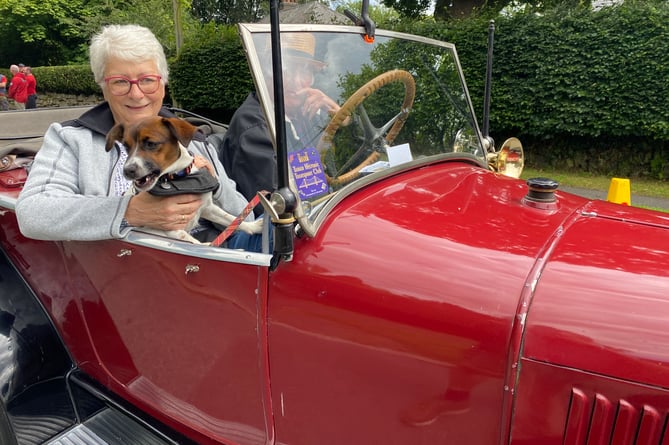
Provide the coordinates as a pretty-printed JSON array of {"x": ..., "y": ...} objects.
[
  {"x": 246, "y": 151},
  {"x": 18, "y": 90},
  {"x": 4, "y": 103},
  {"x": 31, "y": 86},
  {"x": 75, "y": 189}
]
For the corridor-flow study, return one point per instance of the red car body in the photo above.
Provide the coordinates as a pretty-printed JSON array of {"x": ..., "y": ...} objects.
[{"x": 435, "y": 304}]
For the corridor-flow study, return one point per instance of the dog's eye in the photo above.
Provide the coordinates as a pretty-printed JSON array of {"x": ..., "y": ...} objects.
[{"x": 151, "y": 145}]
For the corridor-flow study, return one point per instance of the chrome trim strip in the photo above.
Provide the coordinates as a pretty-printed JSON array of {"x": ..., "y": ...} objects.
[
  {"x": 139, "y": 238},
  {"x": 7, "y": 202}
]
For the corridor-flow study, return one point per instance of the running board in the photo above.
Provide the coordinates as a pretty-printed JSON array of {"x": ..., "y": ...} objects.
[{"x": 109, "y": 427}]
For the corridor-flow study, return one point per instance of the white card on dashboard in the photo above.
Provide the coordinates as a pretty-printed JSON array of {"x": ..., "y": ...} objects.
[{"x": 399, "y": 154}]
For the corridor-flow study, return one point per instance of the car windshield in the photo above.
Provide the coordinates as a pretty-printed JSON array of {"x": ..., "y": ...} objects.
[{"x": 357, "y": 111}]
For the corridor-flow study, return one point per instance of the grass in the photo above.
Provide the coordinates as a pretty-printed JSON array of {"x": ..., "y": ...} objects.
[{"x": 645, "y": 187}]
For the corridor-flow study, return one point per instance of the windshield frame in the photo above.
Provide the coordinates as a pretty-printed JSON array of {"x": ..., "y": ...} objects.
[{"x": 310, "y": 224}]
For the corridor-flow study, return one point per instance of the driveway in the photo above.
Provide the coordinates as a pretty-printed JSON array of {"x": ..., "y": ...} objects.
[{"x": 637, "y": 200}]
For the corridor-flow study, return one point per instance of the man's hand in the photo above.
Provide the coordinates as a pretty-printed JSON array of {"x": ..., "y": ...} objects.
[
  {"x": 200, "y": 162},
  {"x": 315, "y": 100},
  {"x": 163, "y": 213}
]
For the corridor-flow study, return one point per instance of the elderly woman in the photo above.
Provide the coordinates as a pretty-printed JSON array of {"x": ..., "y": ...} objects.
[{"x": 75, "y": 190}]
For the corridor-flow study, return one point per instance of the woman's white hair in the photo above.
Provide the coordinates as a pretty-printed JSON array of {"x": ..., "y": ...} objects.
[{"x": 132, "y": 43}]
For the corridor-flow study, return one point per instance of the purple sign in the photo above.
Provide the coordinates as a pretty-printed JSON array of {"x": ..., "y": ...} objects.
[{"x": 308, "y": 173}]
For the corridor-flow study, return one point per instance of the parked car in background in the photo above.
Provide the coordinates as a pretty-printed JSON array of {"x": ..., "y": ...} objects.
[{"x": 415, "y": 293}]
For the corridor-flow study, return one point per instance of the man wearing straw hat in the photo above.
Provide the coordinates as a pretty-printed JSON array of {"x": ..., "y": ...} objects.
[{"x": 246, "y": 151}]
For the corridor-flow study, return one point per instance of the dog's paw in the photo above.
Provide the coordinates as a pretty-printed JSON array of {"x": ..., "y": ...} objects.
[
  {"x": 182, "y": 235},
  {"x": 251, "y": 227}
]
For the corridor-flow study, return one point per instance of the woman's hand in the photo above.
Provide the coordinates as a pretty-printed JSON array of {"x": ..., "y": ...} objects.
[{"x": 162, "y": 213}]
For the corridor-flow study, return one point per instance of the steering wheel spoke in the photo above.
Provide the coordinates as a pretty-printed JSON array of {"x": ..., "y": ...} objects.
[
  {"x": 359, "y": 156},
  {"x": 402, "y": 114}
]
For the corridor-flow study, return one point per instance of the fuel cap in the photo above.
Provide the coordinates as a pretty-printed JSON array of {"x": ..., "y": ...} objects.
[{"x": 541, "y": 193}]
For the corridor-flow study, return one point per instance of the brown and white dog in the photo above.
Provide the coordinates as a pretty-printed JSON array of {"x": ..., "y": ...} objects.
[{"x": 157, "y": 150}]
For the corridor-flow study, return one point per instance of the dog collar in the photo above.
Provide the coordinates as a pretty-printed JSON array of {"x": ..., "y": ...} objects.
[{"x": 176, "y": 175}]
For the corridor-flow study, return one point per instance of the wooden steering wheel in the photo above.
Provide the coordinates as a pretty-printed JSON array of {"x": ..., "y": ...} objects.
[{"x": 374, "y": 139}]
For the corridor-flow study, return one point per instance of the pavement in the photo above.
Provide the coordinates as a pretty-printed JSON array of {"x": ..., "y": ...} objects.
[{"x": 637, "y": 200}]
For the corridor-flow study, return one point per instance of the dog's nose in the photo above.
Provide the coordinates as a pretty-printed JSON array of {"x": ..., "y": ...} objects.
[{"x": 130, "y": 170}]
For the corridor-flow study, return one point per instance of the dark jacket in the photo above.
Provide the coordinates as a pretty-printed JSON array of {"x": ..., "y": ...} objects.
[{"x": 247, "y": 153}]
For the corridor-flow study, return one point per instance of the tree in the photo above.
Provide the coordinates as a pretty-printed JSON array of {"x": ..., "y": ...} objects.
[
  {"x": 157, "y": 15},
  {"x": 382, "y": 16},
  {"x": 409, "y": 8},
  {"x": 459, "y": 9},
  {"x": 44, "y": 32},
  {"x": 228, "y": 12},
  {"x": 57, "y": 32}
]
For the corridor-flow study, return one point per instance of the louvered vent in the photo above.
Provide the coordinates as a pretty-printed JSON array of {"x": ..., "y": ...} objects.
[{"x": 599, "y": 421}]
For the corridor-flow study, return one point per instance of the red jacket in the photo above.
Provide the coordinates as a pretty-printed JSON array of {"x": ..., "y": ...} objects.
[
  {"x": 31, "y": 84},
  {"x": 18, "y": 89}
]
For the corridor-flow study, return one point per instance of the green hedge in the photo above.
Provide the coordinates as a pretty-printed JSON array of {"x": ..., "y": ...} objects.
[
  {"x": 77, "y": 79},
  {"x": 212, "y": 78},
  {"x": 70, "y": 79},
  {"x": 583, "y": 74},
  {"x": 580, "y": 88}
]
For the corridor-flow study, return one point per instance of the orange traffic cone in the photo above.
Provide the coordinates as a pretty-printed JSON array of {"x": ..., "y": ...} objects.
[{"x": 619, "y": 191}]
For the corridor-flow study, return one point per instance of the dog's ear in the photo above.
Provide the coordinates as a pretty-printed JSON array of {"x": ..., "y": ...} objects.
[
  {"x": 115, "y": 134},
  {"x": 183, "y": 131}
]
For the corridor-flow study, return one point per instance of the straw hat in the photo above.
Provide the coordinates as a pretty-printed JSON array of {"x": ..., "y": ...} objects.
[{"x": 301, "y": 46}]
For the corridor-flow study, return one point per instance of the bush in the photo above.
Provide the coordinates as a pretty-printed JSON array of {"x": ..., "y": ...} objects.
[
  {"x": 76, "y": 79},
  {"x": 211, "y": 76},
  {"x": 69, "y": 79},
  {"x": 579, "y": 87}
]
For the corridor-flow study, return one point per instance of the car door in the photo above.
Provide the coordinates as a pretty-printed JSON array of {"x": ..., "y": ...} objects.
[{"x": 179, "y": 329}]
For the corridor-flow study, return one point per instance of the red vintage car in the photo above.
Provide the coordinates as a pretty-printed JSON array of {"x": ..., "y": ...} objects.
[{"x": 415, "y": 294}]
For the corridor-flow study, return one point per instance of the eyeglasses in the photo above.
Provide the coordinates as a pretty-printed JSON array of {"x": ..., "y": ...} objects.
[{"x": 121, "y": 85}]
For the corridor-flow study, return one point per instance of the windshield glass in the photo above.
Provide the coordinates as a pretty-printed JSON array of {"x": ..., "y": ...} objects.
[{"x": 357, "y": 111}]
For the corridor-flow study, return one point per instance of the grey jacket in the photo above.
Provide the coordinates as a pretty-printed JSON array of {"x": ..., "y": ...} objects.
[{"x": 69, "y": 193}]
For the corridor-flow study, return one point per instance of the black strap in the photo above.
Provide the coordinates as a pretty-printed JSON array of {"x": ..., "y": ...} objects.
[{"x": 199, "y": 182}]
